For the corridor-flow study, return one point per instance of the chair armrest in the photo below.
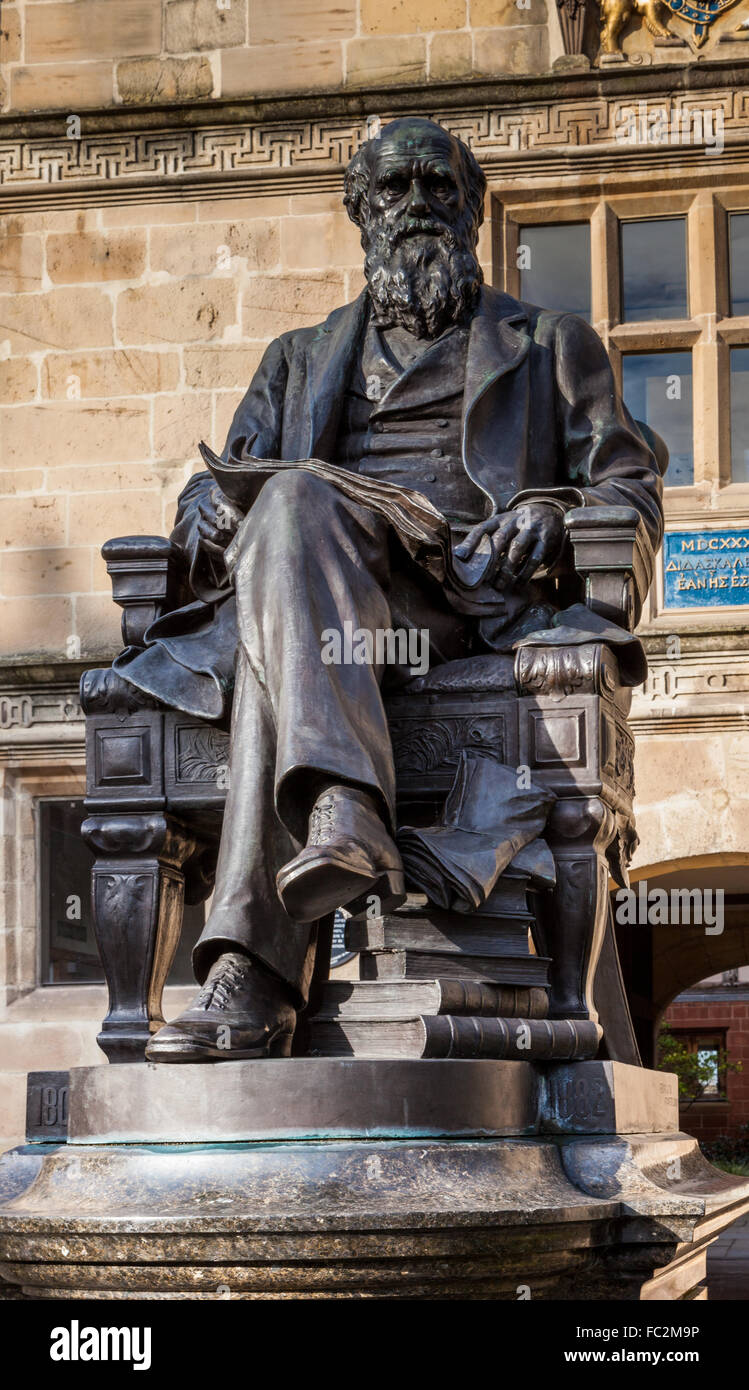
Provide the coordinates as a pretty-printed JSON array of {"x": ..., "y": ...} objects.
[
  {"x": 613, "y": 555},
  {"x": 145, "y": 573}
]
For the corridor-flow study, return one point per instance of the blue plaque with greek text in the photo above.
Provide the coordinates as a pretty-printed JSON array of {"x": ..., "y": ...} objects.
[{"x": 706, "y": 569}]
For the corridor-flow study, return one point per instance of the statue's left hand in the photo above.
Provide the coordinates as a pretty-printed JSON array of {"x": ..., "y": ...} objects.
[{"x": 524, "y": 540}]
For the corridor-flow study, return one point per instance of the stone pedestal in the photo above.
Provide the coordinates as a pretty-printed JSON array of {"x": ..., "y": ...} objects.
[{"x": 347, "y": 1178}]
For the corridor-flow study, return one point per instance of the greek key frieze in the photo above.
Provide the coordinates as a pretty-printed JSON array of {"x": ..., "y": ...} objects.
[{"x": 325, "y": 146}]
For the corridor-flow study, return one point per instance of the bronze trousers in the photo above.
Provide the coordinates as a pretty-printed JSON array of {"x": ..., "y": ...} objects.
[{"x": 307, "y": 560}]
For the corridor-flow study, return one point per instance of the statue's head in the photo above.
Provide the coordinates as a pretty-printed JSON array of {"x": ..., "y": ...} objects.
[{"x": 417, "y": 194}]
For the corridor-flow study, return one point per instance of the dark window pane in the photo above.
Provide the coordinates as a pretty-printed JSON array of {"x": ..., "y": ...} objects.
[
  {"x": 654, "y": 269},
  {"x": 69, "y": 952},
  {"x": 738, "y": 229},
  {"x": 657, "y": 388},
  {"x": 740, "y": 415},
  {"x": 555, "y": 267}
]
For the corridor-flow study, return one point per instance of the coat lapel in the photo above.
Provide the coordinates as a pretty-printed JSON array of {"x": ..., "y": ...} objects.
[
  {"x": 328, "y": 366},
  {"x": 499, "y": 342}
]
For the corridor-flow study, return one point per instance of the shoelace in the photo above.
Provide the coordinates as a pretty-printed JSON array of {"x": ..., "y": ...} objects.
[
  {"x": 321, "y": 822},
  {"x": 219, "y": 990}
]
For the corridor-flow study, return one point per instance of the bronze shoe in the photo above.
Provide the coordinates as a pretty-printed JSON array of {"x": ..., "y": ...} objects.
[
  {"x": 241, "y": 1011},
  {"x": 349, "y": 857}
]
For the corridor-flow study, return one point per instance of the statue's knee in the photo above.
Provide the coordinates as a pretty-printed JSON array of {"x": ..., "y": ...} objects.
[{"x": 294, "y": 488}]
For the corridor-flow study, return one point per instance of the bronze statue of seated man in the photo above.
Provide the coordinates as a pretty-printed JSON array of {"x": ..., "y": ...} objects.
[{"x": 502, "y": 416}]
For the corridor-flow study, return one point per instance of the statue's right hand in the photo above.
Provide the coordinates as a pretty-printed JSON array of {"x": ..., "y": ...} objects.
[{"x": 218, "y": 519}]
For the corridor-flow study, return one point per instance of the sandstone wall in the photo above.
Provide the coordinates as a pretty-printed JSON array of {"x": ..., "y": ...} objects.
[
  {"x": 77, "y": 54},
  {"x": 127, "y": 334}
]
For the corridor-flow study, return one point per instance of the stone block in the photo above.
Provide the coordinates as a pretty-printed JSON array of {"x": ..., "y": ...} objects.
[
  {"x": 24, "y": 573},
  {"x": 61, "y": 318},
  {"x": 91, "y": 29},
  {"x": 10, "y": 35},
  {"x": 608, "y": 1098},
  {"x": 20, "y": 264},
  {"x": 319, "y": 241},
  {"x": 161, "y": 213},
  {"x": 322, "y": 1098},
  {"x": 68, "y": 87},
  {"x": 75, "y": 258},
  {"x": 44, "y": 635},
  {"x": 105, "y": 478},
  {"x": 14, "y": 481},
  {"x": 208, "y": 248},
  {"x": 187, "y": 311},
  {"x": 149, "y": 81},
  {"x": 179, "y": 424},
  {"x": 274, "y": 303},
  {"x": 18, "y": 380},
  {"x": 118, "y": 372},
  {"x": 303, "y": 21},
  {"x": 501, "y": 14},
  {"x": 282, "y": 67},
  {"x": 30, "y": 522},
  {"x": 522, "y": 50},
  {"x": 411, "y": 16},
  {"x": 75, "y": 432},
  {"x": 450, "y": 57},
  {"x": 191, "y": 24},
  {"x": 97, "y": 623},
  {"x": 138, "y": 512},
  {"x": 355, "y": 1098},
  {"x": 377, "y": 62},
  {"x": 226, "y": 405},
  {"x": 243, "y": 207},
  {"x": 221, "y": 367}
]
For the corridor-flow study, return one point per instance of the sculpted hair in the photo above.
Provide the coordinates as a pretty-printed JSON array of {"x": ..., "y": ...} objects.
[{"x": 357, "y": 175}]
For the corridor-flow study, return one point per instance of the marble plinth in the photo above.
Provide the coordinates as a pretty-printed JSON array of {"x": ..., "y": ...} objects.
[{"x": 312, "y": 1178}]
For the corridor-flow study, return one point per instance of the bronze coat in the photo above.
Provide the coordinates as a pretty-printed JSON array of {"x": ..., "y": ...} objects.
[{"x": 541, "y": 417}]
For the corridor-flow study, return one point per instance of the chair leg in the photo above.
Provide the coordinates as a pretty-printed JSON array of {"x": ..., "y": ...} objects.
[
  {"x": 579, "y": 831},
  {"x": 137, "y": 897}
]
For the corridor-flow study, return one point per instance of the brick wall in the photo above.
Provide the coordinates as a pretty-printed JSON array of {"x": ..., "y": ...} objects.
[
  {"x": 73, "y": 55},
  {"x": 707, "y": 1119}
]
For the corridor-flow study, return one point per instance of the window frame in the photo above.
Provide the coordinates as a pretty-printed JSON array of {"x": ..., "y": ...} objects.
[
  {"x": 712, "y": 499},
  {"x": 696, "y": 1039}
]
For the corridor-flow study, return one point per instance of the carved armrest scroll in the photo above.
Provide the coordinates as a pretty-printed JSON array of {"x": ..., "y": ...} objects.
[
  {"x": 615, "y": 558},
  {"x": 145, "y": 573}
]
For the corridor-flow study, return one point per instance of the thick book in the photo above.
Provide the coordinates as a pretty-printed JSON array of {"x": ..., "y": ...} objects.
[
  {"x": 486, "y": 936},
  {"x": 448, "y": 1036},
  {"x": 370, "y": 1000},
  {"x": 421, "y": 965}
]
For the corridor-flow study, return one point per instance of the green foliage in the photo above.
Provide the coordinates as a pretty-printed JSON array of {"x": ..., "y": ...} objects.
[{"x": 693, "y": 1072}]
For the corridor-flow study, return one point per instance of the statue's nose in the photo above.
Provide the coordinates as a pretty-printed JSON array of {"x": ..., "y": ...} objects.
[{"x": 417, "y": 201}]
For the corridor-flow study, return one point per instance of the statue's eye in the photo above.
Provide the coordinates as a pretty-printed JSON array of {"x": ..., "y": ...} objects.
[{"x": 396, "y": 183}]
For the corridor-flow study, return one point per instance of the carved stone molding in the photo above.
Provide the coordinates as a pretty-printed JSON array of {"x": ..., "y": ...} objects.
[{"x": 311, "y": 153}]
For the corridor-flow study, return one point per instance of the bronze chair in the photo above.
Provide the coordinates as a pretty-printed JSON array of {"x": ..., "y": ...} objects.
[{"x": 155, "y": 797}]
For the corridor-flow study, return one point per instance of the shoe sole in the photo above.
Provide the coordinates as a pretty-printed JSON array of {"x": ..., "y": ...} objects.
[
  {"x": 191, "y": 1050},
  {"x": 322, "y": 885}
]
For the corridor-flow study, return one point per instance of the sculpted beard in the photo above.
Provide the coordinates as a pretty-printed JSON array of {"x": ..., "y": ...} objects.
[{"x": 425, "y": 281}]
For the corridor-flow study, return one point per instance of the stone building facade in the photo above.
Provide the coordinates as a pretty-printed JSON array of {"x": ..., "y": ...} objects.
[{"x": 170, "y": 199}]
